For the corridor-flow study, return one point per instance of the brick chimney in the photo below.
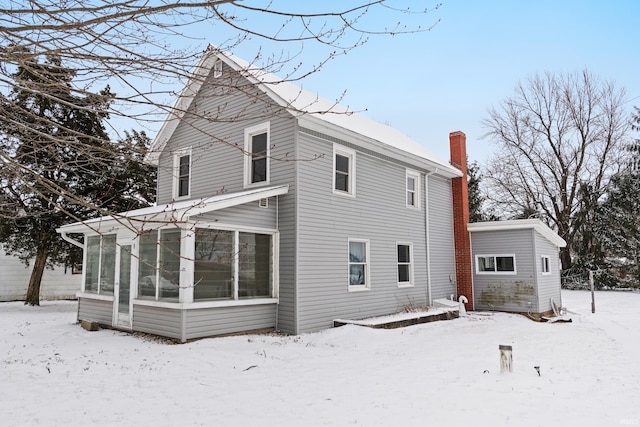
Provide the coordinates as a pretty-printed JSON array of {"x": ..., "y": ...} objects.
[{"x": 462, "y": 243}]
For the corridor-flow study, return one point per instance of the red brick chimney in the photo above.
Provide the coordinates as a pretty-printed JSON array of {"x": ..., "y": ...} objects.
[{"x": 462, "y": 244}]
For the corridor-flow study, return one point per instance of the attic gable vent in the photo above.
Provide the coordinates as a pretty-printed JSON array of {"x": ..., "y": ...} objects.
[
  {"x": 217, "y": 69},
  {"x": 263, "y": 203}
]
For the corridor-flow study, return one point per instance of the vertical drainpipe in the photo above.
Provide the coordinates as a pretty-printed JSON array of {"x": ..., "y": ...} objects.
[{"x": 427, "y": 232}]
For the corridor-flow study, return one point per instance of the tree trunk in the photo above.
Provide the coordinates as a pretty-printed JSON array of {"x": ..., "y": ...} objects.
[
  {"x": 565, "y": 258},
  {"x": 33, "y": 292}
]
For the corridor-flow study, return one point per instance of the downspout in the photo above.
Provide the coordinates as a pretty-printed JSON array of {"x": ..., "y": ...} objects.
[
  {"x": 427, "y": 232},
  {"x": 74, "y": 242}
]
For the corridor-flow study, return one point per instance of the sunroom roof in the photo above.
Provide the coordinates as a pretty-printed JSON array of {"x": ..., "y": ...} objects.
[{"x": 171, "y": 213}]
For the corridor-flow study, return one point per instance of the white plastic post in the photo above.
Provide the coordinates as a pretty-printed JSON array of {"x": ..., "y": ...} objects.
[{"x": 506, "y": 358}]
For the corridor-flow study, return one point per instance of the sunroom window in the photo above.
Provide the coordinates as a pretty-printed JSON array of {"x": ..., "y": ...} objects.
[
  {"x": 159, "y": 265},
  {"x": 101, "y": 258}
]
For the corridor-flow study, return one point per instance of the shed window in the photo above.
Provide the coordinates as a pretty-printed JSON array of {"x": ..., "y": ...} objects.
[
  {"x": 495, "y": 264},
  {"x": 545, "y": 261}
]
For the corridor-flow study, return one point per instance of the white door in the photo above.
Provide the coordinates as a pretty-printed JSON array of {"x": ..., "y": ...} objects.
[{"x": 122, "y": 290}]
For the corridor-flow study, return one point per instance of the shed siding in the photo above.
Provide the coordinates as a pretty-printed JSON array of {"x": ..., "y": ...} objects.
[
  {"x": 158, "y": 321},
  {"x": 327, "y": 221},
  {"x": 218, "y": 165},
  {"x": 224, "y": 320},
  {"x": 95, "y": 311},
  {"x": 505, "y": 292},
  {"x": 549, "y": 286},
  {"x": 441, "y": 246},
  {"x": 14, "y": 280}
]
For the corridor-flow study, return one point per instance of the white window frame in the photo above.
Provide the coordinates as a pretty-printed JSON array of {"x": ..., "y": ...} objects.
[
  {"x": 495, "y": 272},
  {"x": 249, "y": 133},
  {"x": 351, "y": 155},
  {"x": 416, "y": 191},
  {"x": 367, "y": 267},
  {"x": 176, "y": 173},
  {"x": 217, "y": 69},
  {"x": 410, "y": 264},
  {"x": 545, "y": 266}
]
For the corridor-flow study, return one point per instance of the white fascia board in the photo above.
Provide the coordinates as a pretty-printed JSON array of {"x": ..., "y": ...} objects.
[
  {"x": 519, "y": 224},
  {"x": 322, "y": 126}
]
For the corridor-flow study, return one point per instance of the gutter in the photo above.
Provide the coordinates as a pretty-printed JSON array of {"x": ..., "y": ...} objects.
[{"x": 65, "y": 237}]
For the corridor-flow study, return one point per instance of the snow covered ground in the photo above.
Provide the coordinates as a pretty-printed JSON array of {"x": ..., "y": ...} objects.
[{"x": 54, "y": 373}]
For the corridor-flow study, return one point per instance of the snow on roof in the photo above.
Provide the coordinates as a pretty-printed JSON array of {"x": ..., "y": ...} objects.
[
  {"x": 518, "y": 224},
  {"x": 305, "y": 105}
]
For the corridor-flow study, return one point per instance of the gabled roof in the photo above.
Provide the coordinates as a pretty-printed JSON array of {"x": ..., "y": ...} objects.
[
  {"x": 171, "y": 213},
  {"x": 519, "y": 224},
  {"x": 312, "y": 111}
]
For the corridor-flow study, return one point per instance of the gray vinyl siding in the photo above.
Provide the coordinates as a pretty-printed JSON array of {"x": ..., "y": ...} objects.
[
  {"x": 218, "y": 166},
  {"x": 505, "y": 292},
  {"x": 224, "y": 320},
  {"x": 165, "y": 322},
  {"x": 441, "y": 245},
  {"x": 95, "y": 310},
  {"x": 248, "y": 214},
  {"x": 326, "y": 223},
  {"x": 548, "y": 284}
]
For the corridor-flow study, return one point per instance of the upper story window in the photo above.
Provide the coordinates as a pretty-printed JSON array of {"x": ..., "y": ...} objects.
[
  {"x": 217, "y": 68},
  {"x": 344, "y": 168},
  {"x": 413, "y": 189},
  {"x": 182, "y": 173},
  {"x": 495, "y": 264},
  {"x": 257, "y": 151}
]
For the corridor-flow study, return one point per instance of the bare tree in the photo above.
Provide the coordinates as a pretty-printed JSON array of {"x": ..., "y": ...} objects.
[
  {"x": 556, "y": 133},
  {"x": 144, "y": 51}
]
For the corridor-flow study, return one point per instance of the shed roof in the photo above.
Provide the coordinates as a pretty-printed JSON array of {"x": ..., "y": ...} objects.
[
  {"x": 308, "y": 107},
  {"x": 518, "y": 224}
]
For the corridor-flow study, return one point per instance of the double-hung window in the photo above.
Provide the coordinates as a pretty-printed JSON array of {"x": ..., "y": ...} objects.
[
  {"x": 405, "y": 264},
  {"x": 257, "y": 152},
  {"x": 344, "y": 169},
  {"x": 495, "y": 264},
  {"x": 413, "y": 189},
  {"x": 359, "y": 265},
  {"x": 182, "y": 174}
]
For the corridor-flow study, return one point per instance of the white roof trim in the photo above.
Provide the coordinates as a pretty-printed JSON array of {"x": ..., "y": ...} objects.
[
  {"x": 518, "y": 224},
  {"x": 304, "y": 105},
  {"x": 171, "y": 213}
]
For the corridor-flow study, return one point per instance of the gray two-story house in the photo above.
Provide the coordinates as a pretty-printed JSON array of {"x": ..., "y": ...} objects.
[{"x": 276, "y": 209}]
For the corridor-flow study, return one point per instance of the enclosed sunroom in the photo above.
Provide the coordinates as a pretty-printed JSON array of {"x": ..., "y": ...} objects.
[{"x": 183, "y": 270}]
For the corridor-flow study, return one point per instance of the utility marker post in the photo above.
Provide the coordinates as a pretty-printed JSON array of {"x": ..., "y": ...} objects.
[{"x": 593, "y": 297}]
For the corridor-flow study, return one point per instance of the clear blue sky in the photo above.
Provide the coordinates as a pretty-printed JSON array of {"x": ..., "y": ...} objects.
[{"x": 432, "y": 83}]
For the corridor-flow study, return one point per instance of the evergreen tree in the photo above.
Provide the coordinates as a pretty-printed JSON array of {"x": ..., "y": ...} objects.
[
  {"x": 475, "y": 197},
  {"x": 70, "y": 170}
]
